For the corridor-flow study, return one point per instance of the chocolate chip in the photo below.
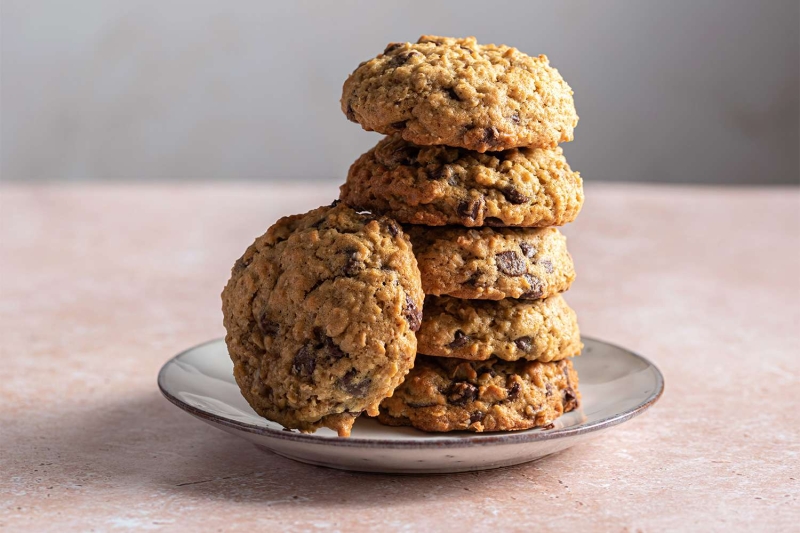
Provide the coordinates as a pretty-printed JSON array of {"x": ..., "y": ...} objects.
[
  {"x": 240, "y": 265},
  {"x": 515, "y": 117},
  {"x": 435, "y": 173},
  {"x": 510, "y": 263},
  {"x": 404, "y": 155},
  {"x": 412, "y": 314},
  {"x": 570, "y": 398},
  {"x": 536, "y": 288},
  {"x": 472, "y": 208},
  {"x": 349, "y": 383},
  {"x": 399, "y": 125},
  {"x": 459, "y": 339},
  {"x": 268, "y": 327},
  {"x": 528, "y": 249},
  {"x": 351, "y": 115},
  {"x": 513, "y": 392},
  {"x": 461, "y": 393},
  {"x": 548, "y": 390},
  {"x": 524, "y": 343},
  {"x": 547, "y": 264},
  {"x": 352, "y": 265},
  {"x": 305, "y": 361},
  {"x": 393, "y": 228},
  {"x": 467, "y": 48},
  {"x": 491, "y": 137},
  {"x": 514, "y": 196},
  {"x": 452, "y": 94},
  {"x": 392, "y": 47},
  {"x": 494, "y": 222},
  {"x": 476, "y": 417},
  {"x": 331, "y": 350},
  {"x": 402, "y": 59},
  {"x": 335, "y": 203}
]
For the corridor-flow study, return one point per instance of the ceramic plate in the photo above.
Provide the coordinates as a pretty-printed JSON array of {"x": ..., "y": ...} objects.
[{"x": 615, "y": 384}]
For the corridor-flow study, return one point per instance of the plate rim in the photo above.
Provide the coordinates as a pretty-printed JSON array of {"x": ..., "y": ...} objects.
[{"x": 491, "y": 439}]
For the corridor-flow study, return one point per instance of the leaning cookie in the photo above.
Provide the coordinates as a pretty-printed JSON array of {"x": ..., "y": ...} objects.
[
  {"x": 457, "y": 92},
  {"x": 449, "y": 394},
  {"x": 542, "y": 330},
  {"x": 438, "y": 185},
  {"x": 492, "y": 263},
  {"x": 320, "y": 314}
]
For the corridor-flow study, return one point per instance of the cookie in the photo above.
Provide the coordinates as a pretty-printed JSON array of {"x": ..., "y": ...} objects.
[
  {"x": 450, "y": 394},
  {"x": 457, "y": 92},
  {"x": 543, "y": 330},
  {"x": 320, "y": 314},
  {"x": 438, "y": 185},
  {"x": 492, "y": 263}
]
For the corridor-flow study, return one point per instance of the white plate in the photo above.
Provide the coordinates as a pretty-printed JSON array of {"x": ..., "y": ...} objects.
[{"x": 615, "y": 384}]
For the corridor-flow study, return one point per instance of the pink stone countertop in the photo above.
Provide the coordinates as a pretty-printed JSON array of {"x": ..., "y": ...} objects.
[{"x": 99, "y": 285}]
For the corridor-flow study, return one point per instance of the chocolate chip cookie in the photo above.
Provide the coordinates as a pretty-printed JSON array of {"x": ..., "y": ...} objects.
[
  {"x": 438, "y": 185},
  {"x": 457, "y": 92},
  {"x": 320, "y": 314},
  {"x": 449, "y": 394},
  {"x": 543, "y": 330},
  {"x": 492, "y": 263}
]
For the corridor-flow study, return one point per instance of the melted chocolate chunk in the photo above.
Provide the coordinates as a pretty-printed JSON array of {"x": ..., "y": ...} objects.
[
  {"x": 461, "y": 393},
  {"x": 351, "y": 115},
  {"x": 510, "y": 263},
  {"x": 527, "y": 249},
  {"x": 412, "y": 314},
  {"x": 459, "y": 339},
  {"x": 547, "y": 264},
  {"x": 494, "y": 222},
  {"x": 399, "y": 125},
  {"x": 472, "y": 208},
  {"x": 351, "y": 385},
  {"x": 268, "y": 327},
  {"x": 515, "y": 117},
  {"x": 548, "y": 390},
  {"x": 304, "y": 362},
  {"x": 392, "y": 47},
  {"x": 537, "y": 289},
  {"x": 393, "y": 227},
  {"x": 513, "y": 392},
  {"x": 240, "y": 265},
  {"x": 331, "y": 350},
  {"x": 352, "y": 265},
  {"x": 476, "y": 417},
  {"x": 514, "y": 196},
  {"x": 401, "y": 59},
  {"x": 524, "y": 343}
]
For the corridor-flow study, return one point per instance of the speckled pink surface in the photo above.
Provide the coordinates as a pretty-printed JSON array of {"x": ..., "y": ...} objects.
[{"x": 100, "y": 285}]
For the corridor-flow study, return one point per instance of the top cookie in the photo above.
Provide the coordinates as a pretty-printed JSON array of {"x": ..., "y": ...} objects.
[
  {"x": 459, "y": 93},
  {"x": 320, "y": 314}
]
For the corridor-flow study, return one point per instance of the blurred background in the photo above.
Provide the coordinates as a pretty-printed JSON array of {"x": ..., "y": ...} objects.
[{"x": 683, "y": 91}]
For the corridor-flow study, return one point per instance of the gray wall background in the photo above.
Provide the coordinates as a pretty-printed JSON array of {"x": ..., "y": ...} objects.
[{"x": 680, "y": 91}]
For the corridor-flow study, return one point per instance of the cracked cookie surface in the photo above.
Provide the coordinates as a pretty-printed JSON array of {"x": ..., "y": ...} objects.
[
  {"x": 492, "y": 263},
  {"x": 439, "y": 185},
  {"x": 320, "y": 314},
  {"x": 543, "y": 330},
  {"x": 456, "y": 92},
  {"x": 450, "y": 394}
]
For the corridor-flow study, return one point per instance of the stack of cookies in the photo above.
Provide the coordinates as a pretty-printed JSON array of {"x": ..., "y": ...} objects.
[
  {"x": 471, "y": 168},
  {"x": 328, "y": 314}
]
